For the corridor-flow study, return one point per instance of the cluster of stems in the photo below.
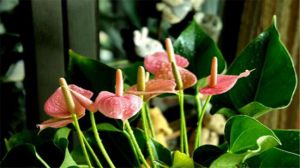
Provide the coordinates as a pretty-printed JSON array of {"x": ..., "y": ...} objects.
[{"x": 82, "y": 140}]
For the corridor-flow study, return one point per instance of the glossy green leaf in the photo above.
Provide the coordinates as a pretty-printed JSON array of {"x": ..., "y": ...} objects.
[
  {"x": 181, "y": 160},
  {"x": 24, "y": 155},
  {"x": 270, "y": 86},
  {"x": 162, "y": 154},
  {"x": 130, "y": 72},
  {"x": 290, "y": 140},
  {"x": 199, "y": 49},
  {"x": 205, "y": 155},
  {"x": 246, "y": 138},
  {"x": 242, "y": 133},
  {"x": 232, "y": 160},
  {"x": 116, "y": 143},
  {"x": 90, "y": 74},
  {"x": 61, "y": 141},
  {"x": 274, "y": 157}
]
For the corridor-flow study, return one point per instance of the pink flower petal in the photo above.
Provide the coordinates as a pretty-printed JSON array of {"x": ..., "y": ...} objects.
[
  {"x": 118, "y": 107},
  {"x": 154, "y": 62},
  {"x": 154, "y": 88},
  {"x": 224, "y": 83},
  {"x": 188, "y": 78},
  {"x": 56, "y": 107},
  {"x": 56, "y": 122}
]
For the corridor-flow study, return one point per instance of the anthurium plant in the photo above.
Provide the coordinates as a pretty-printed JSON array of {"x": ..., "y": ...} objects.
[{"x": 262, "y": 78}]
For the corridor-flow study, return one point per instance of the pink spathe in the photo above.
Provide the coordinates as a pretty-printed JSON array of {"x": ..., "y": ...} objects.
[
  {"x": 154, "y": 88},
  {"x": 56, "y": 107},
  {"x": 156, "y": 61},
  {"x": 224, "y": 83},
  {"x": 118, "y": 107}
]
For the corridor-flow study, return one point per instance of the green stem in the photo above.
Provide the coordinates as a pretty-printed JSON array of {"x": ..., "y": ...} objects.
[
  {"x": 136, "y": 145},
  {"x": 92, "y": 152},
  {"x": 146, "y": 130},
  {"x": 150, "y": 124},
  {"x": 99, "y": 142},
  {"x": 184, "y": 146},
  {"x": 133, "y": 148},
  {"x": 79, "y": 134},
  {"x": 200, "y": 119}
]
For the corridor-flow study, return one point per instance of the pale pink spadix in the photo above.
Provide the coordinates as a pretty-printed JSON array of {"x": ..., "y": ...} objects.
[
  {"x": 219, "y": 84},
  {"x": 116, "y": 105},
  {"x": 154, "y": 88},
  {"x": 56, "y": 107}
]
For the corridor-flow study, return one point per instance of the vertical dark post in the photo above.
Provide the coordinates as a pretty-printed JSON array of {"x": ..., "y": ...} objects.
[
  {"x": 83, "y": 31},
  {"x": 47, "y": 59}
]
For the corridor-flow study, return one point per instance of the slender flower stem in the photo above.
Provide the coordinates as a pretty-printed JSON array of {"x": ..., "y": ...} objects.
[
  {"x": 132, "y": 138},
  {"x": 200, "y": 120},
  {"x": 92, "y": 152},
  {"x": 133, "y": 148},
  {"x": 71, "y": 107},
  {"x": 80, "y": 137},
  {"x": 99, "y": 142},
  {"x": 184, "y": 146},
  {"x": 150, "y": 124},
  {"x": 148, "y": 140}
]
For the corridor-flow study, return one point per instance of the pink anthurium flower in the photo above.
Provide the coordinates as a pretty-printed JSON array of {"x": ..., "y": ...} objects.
[
  {"x": 56, "y": 107},
  {"x": 116, "y": 105},
  {"x": 160, "y": 66},
  {"x": 158, "y": 60},
  {"x": 154, "y": 88},
  {"x": 219, "y": 84}
]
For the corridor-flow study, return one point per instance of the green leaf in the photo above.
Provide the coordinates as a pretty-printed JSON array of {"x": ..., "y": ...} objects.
[
  {"x": 246, "y": 137},
  {"x": 162, "y": 154},
  {"x": 232, "y": 160},
  {"x": 61, "y": 141},
  {"x": 130, "y": 8},
  {"x": 199, "y": 49},
  {"x": 90, "y": 74},
  {"x": 274, "y": 157},
  {"x": 270, "y": 86},
  {"x": 290, "y": 140},
  {"x": 116, "y": 143},
  {"x": 130, "y": 72},
  {"x": 24, "y": 155},
  {"x": 205, "y": 155},
  {"x": 181, "y": 160},
  {"x": 242, "y": 133}
]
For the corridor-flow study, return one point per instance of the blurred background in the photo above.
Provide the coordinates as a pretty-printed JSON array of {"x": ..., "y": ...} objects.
[{"x": 35, "y": 36}]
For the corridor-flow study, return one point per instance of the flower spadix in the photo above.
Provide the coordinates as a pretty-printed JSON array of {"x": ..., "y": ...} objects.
[
  {"x": 117, "y": 105},
  {"x": 219, "y": 84},
  {"x": 151, "y": 88},
  {"x": 56, "y": 106}
]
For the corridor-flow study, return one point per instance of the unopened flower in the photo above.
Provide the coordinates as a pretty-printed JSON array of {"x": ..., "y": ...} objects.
[
  {"x": 116, "y": 105},
  {"x": 219, "y": 84},
  {"x": 56, "y": 107}
]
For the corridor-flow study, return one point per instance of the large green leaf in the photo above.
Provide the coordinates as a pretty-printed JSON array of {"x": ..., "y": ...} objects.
[
  {"x": 90, "y": 74},
  {"x": 181, "y": 160},
  {"x": 116, "y": 143},
  {"x": 246, "y": 137},
  {"x": 24, "y": 155},
  {"x": 290, "y": 140},
  {"x": 61, "y": 141},
  {"x": 199, "y": 49},
  {"x": 270, "y": 86},
  {"x": 275, "y": 157},
  {"x": 205, "y": 155}
]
